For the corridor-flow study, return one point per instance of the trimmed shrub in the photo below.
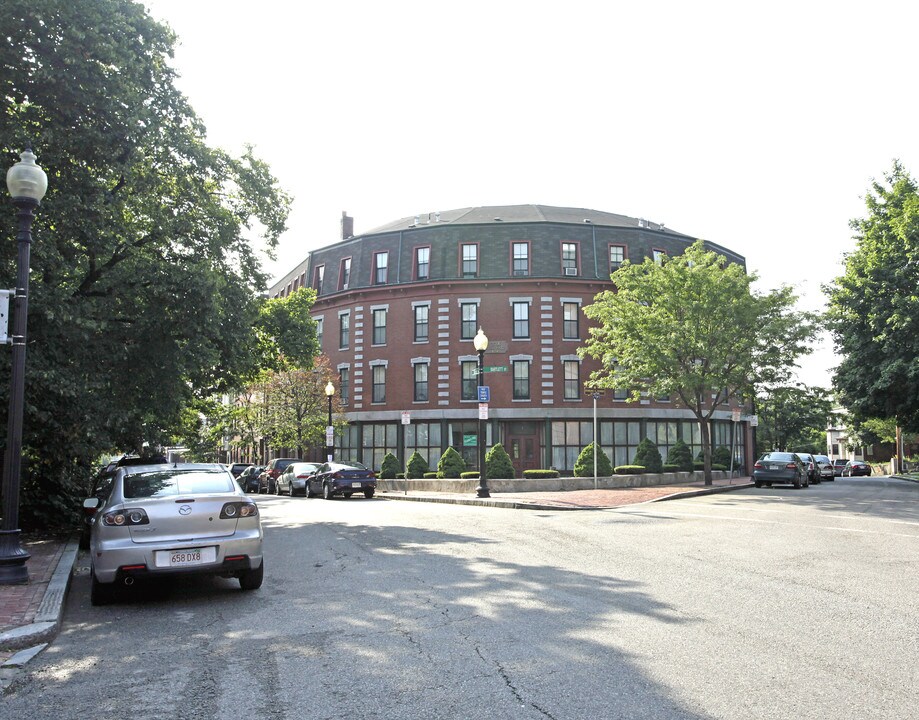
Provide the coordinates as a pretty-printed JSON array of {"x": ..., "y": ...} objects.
[
  {"x": 629, "y": 469},
  {"x": 648, "y": 456},
  {"x": 431, "y": 475},
  {"x": 671, "y": 468},
  {"x": 721, "y": 456},
  {"x": 498, "y": 465},
  {"x": 451, "y": 464},
  {"x": 400, "y": 476},
  {"x": 469, "y": 475},
  {"x": 389, "y": 467},
  {"x": 699, "y": 465},
  {"x": 719, "y": 466},
  {"x": 417, "y": 466},
  {"x": 540, "y": 473},
  {"x": 584, "y": 465},
  {"x": 681, "y": 456}
]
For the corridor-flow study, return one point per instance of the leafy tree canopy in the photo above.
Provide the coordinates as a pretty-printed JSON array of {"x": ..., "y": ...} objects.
[
  {"x": 690, "y": 327},
  {"x": 790, "y": 416},
  {"x": 145, "y": 281},
  {"x": 874, "y": 307}
]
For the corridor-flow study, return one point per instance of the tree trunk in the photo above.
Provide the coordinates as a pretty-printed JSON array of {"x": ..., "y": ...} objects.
[{"x": 705, "y": 434}]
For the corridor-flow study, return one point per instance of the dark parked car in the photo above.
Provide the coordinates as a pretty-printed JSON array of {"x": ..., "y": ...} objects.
[
  {"x": 826, "y": 467},
  {"x": 333, "y": 479},
  {"x": 856, "y": 467},
  {"x": 267, "y": 481},
  {"x": 295, "y": 478},
  {"x": 813, "y": 470},
  {"x": 780, "y": 467},
  {"x": 237, "y": 468},
  {"x": 839, "y": 464},
  {"x": 248, "y": 479}
]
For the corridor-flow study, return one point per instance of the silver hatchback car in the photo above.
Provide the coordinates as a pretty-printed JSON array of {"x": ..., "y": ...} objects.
[{"x": 185, "y": 518}]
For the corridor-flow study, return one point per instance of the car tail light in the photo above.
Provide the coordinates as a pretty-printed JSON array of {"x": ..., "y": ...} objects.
[
  {"x": 758, "y": 466},
  {"x": 336, "y": 476},
  {"x": 791, "y": 466},
  {"x": 128, "y": 516},
  {"x": 302, "y": 477},
  {"x": 233, "y": 510}
]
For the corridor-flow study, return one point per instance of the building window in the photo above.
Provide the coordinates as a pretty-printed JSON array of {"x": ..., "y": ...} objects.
[
  {"x": 470, "y": 260},
  {"x": 616, "y": 257},
  {"x": 570, "y": 315},
  {"x": 380, "y": 268},
  {"x": 470, "y": 320},
  {"x": 521, "y": 320},
  {"x": 377, "y": 440},
  {"x": 658, "y": 256},
  {"x": 345, "y": 274},
  {"x": 344, "y": 331},
  {"x": 379, "y": 384},
  {"x": 470, "y": 380},
  {"x": 423, "y": 438},
  {"x": 379, "y": 326},
  {"x": 421, "y": 322},
  {"x": 521, "y": 258},
  {"x": 344, "y": 385},
  {"x": 421, "y": 382},
  {"x": 521, "y": 380},
  {"x": 319, "y": 325},
  {"x": 317, "y": 281},
  {"x": 570, "y": 258},
  {"x": 422, "y": 263},
  {"x": 572, "y": 380},
  {"x": 568, "y": 439}
]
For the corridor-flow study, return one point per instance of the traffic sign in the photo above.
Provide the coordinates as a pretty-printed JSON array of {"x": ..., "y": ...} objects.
[
  {"x": 496, "y": 368},
  {"x": 484, "y": 394},
  {"x": 483, "y": 411}
]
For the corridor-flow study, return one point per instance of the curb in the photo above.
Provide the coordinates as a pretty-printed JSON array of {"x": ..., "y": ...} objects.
[
  {"x": 703, "y": 491},
  {"x": 48, "y": 618}
]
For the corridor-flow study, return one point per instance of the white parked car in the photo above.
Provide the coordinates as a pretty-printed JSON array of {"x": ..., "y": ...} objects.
[{"x": 183, "y": 518}]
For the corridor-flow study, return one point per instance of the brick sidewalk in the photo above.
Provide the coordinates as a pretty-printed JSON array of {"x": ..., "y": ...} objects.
[{"x": 19, "y": 603}]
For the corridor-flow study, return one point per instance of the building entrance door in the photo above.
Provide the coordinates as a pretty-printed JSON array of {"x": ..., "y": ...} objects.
[{"x": 525, "y": 452}]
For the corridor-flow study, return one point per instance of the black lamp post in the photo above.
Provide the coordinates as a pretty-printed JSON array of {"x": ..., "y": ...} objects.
[
  {"x": 27, "y": 184},
  {"x": 480, "y": 343},
  {"x": 329, "y": 433}
]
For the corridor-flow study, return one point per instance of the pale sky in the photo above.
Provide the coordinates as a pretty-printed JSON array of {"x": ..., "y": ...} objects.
[{"x": 757, "y": 127}]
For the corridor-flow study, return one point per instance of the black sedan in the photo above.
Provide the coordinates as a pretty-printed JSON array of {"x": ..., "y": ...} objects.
[
  {"x": 333, "y": 479},
  {"x": 248, "y": 479},
  {"x": 780, "y": 467},
  {"x": 856, "y": 467}
]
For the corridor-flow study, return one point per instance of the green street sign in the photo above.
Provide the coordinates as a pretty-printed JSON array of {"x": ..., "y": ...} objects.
[{"x": 496, "y": 368}]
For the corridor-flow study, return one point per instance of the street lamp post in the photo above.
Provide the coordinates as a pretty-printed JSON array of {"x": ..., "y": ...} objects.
[
  {"x": 27, "y": 184},
  {"x": 480, "y": 342},
  {"x": 329, "y": 432}
]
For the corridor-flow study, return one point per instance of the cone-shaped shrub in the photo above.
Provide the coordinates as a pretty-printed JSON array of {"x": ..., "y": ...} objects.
[
  {"x": 648, "y": 455},
  {"x": 389, "y": 467},
  {"x": 498, "y": 465},
  {"x": 584, "y": 465},
  {"x": 417, "y": 466},
  {"x": 681, "y": 456},
  {"x": 451, "y": 464}
]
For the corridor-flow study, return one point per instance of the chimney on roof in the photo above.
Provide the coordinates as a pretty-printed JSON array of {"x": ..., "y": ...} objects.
[{"x": 347, "y": 225}]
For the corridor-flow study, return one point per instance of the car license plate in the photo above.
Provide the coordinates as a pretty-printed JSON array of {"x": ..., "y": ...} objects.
[
  {"x": 773, "y": 466},
  {"x": 185, "y": 557},
  {"x": 357, "y": 484}
]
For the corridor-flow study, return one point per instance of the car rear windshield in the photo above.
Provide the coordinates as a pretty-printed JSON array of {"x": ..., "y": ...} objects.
[
  {"x": 784, "y": 457},
  {"x": 166, "y": 483}
]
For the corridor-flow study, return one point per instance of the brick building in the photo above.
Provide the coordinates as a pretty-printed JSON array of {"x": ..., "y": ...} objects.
[{"x": 399, "y": 306}]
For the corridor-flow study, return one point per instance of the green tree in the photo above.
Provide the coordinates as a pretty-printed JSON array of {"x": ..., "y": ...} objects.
[
  {"x": 690, "y": 327},
  {"x": 791, "y": 416},
  {"x": 649, "y": 457},
  {"x": 145, "y": 276},
  {"x": 390, "y": 467},
  {"x": 874, "y": 307},
  {"x": 416, "y": 467},
  {"x": 584, "y": 465},
  {"x": 451, "y": 464},
  {"x": 681, "y": 456},
  {"x": 498, "y": 463}
]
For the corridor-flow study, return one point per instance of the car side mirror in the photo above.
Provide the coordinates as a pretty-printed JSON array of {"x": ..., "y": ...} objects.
[{"x": 92, "y": 503}]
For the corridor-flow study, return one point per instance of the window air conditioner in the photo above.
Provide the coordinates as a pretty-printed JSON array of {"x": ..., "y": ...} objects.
[{"x": 571, "y": 271}]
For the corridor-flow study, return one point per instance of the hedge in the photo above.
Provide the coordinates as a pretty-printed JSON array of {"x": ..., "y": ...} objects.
[
  {"x": 540, "y": 473},
  {"x": 630, "y": 470}
]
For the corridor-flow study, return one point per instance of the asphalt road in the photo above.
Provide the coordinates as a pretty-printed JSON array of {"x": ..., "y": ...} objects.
[{"x": 768, "y": 603}]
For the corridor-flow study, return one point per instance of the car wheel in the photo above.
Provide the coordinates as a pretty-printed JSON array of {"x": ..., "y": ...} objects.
[
  {"x": 101, "y": 593},
  {"x": 347, "y": 495},
  {"x": 368, "y": 493},
  {"x": 327, "y": 491},
  {"x": 277, "y": 489},
  {"x": 797, "y": 482},
  {"x": 252, "y": 579},
  {"x": 768, "y": 484},
  {"x": 308, "y": 492},
  {"x": 757, "y": 483}
]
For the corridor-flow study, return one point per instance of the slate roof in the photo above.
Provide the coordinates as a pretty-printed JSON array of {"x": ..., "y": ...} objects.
[{"x": 506, "y": 214}]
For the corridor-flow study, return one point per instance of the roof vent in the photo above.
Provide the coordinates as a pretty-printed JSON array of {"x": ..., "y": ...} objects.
[
  {"x": 437, "y": 217},
  {"x": 641, "y": 222},
  {"x": 662, "y": 226},
  {"x": 497, "y": 219},
  {"x": 588, "y": 220},
  {"x": 417, "y": 219}
]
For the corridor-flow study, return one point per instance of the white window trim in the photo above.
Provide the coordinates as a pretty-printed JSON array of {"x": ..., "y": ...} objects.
[{"x": 514, "y": 300}]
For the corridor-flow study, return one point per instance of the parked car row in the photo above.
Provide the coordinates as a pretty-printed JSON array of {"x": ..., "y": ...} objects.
[
  {"x": 289, "y": 476},
  {"x": 802, "y": 469}
]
